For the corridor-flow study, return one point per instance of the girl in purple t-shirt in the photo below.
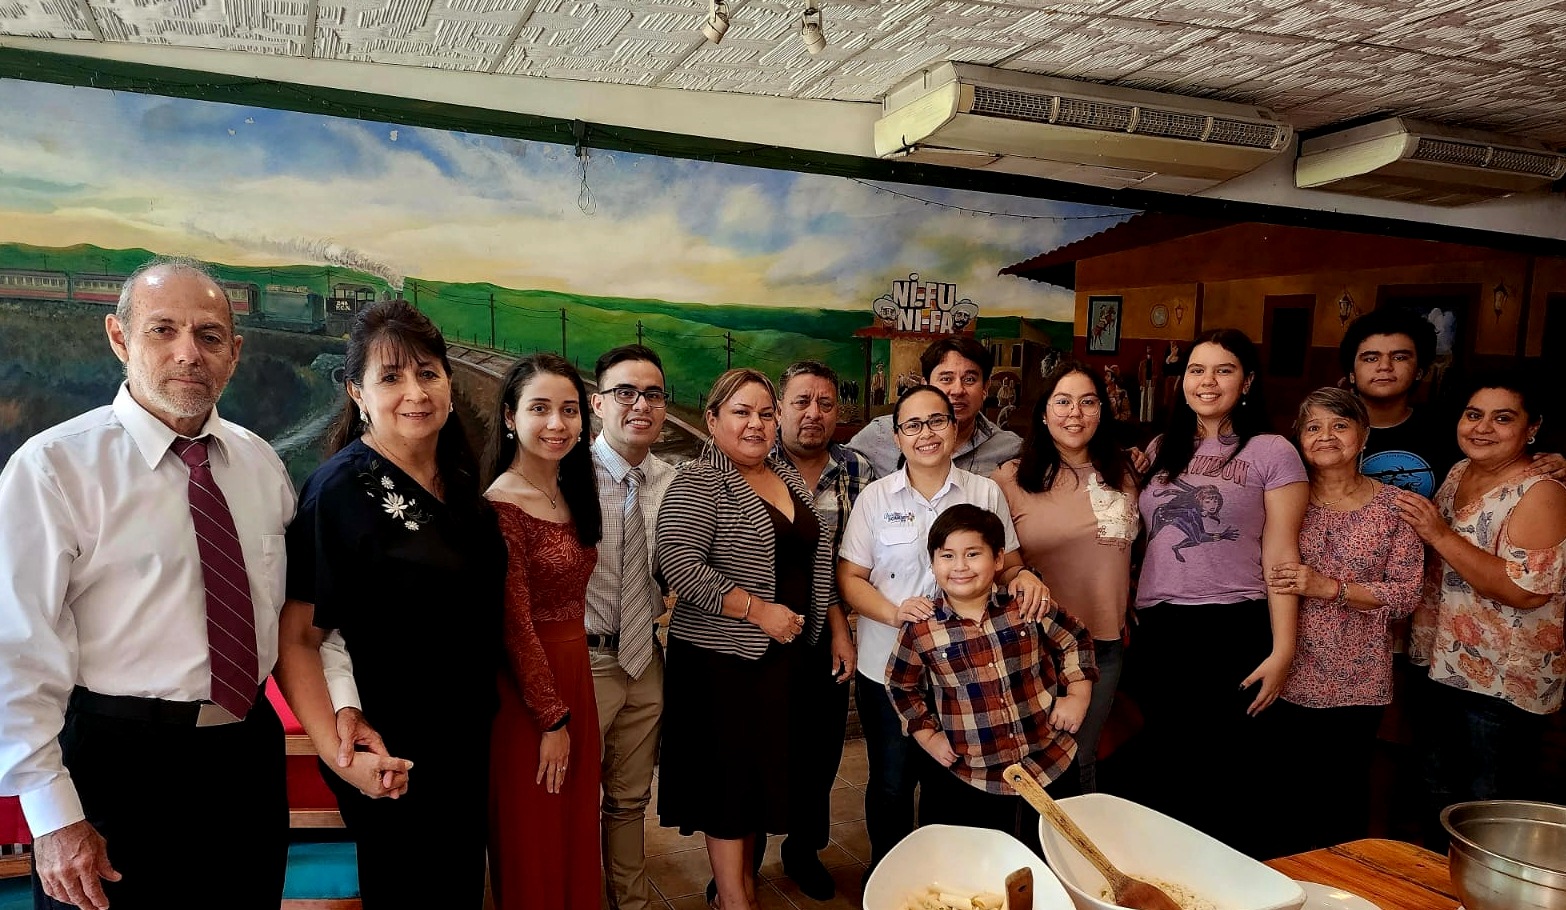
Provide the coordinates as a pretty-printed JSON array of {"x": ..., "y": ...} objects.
[{"x": 1223, "y": 501}]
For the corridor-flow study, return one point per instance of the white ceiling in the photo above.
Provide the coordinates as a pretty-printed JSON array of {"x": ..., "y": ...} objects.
[{"x": 1495, "y": 64}]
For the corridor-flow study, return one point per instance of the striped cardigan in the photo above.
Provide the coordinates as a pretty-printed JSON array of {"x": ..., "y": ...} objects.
[{"x": 714, "y": 534}]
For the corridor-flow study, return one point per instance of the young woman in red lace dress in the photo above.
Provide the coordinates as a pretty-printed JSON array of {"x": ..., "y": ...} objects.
[{"x": 544, "y": 845}]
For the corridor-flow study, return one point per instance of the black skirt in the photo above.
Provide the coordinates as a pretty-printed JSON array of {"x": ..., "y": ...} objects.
[{"x": 724, "y": 764}]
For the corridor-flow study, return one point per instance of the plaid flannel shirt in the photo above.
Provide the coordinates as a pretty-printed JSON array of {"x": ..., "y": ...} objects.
[
  {"x": 846, "y": 475},
  {"x": 991, "y": 685}
]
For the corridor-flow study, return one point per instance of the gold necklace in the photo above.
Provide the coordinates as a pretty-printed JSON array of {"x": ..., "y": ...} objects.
[
  {"x": 1325, "y": 503},
  {"x": 554, "y": 501}
]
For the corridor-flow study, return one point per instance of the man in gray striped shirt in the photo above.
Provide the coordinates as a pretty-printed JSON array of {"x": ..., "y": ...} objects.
[{"x": 622, "y": 602}]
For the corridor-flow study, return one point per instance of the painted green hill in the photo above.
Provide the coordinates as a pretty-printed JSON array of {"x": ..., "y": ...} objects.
[{"x": 693, "y": 338}]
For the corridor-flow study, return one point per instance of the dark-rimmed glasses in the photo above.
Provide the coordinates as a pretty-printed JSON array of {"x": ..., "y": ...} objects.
[
  {"x": 913, "y": 426},
  {"x": 627, "y": 395}
]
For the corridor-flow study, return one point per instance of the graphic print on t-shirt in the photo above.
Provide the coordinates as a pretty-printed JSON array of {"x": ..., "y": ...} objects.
[
  {"x": 1403, "y": 469},
  {"x": 1190, "y": 508},
  {"x": 1115, "y": 512}
]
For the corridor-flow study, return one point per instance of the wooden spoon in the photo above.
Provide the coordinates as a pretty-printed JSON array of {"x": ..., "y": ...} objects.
[{"x": 1132, "y": 893}]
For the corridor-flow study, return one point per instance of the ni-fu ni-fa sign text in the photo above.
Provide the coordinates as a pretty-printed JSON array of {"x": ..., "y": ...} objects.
[{"x": 925, "y": 308}]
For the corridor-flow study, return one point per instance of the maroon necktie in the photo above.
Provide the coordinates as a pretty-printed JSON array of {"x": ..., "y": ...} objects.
[{"x": 231, "y": 619}]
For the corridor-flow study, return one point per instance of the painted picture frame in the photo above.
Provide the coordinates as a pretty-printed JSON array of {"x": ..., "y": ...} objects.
[{"x": 1103, "y": 325}]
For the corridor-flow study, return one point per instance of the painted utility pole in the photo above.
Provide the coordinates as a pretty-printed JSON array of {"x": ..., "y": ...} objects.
[
  {"x": 638, "y": 331},
  {"x": 728, "y": 346},
  {"x": 562, "y": 331},
  {"x": 492, "y": 320}
]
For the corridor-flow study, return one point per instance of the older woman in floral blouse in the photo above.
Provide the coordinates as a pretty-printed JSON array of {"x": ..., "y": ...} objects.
[
  {"x": 1359, "y": 569},
  {"x": 1490, "y": 627}
]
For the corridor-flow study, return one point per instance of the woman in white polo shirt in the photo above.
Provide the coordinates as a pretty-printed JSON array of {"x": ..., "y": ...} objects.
[{"x": 884, "y": 574}]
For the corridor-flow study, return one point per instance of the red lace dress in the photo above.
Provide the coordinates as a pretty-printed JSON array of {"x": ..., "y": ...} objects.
[{"x": 544, "y": 848}]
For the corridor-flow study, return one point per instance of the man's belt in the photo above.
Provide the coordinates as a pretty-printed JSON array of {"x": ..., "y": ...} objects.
[{"x": 151, "y": 710}]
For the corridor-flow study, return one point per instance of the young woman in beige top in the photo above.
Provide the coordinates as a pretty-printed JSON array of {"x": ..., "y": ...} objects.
[{"x": 1072, "y": 497}]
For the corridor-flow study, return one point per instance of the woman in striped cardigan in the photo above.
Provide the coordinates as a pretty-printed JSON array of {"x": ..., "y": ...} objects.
[{"x": 741, "y": 546}]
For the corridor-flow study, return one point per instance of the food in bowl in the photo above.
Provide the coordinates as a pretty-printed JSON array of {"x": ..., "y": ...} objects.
[
  {"x": 1180, "y": 894},
  {"x": 933, "y": 897}
]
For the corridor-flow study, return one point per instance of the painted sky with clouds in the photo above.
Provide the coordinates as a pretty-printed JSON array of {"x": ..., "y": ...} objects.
[{"x": 259, "y": 187}]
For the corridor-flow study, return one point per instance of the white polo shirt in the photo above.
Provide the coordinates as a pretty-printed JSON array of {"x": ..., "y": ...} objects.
[{"x": 887, "y": 533}]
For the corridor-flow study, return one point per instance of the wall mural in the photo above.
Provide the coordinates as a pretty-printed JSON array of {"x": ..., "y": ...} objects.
[{"x": 507, "y": 244}]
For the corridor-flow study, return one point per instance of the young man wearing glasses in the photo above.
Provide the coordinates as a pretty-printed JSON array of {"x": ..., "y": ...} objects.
[
  {"x": 622, "y": 602},
  {"x": 959, "y": 366}
]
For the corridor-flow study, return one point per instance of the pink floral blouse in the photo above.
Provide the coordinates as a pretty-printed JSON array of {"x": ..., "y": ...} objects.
[
  {"x": 1344, "y": 655},
  {"x": 1473, "y": 643}
]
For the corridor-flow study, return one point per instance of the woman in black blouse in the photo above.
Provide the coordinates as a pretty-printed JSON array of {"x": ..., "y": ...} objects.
[
  {"x": 741, "y": 545},
  {"x": 393, "y": 548}
]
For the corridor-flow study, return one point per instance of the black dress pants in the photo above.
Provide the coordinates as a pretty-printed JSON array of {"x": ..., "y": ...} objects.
[
  {"x": 194, "y": 817},
  {"x": 820, "y": 721}
]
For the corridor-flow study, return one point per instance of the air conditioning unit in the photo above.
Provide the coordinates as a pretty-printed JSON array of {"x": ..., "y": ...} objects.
[
  {"x": 1413, "y": 161},
  {"x": 965, "y": 115}
]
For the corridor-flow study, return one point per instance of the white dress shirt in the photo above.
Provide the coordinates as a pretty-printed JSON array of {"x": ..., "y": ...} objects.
[
  {"x": 101, "y": 583},
  {"x": 887, "y": 532}
]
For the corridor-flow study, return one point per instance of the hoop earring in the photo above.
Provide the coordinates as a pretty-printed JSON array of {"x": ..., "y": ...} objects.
[{"x": 1532, "y": 439}]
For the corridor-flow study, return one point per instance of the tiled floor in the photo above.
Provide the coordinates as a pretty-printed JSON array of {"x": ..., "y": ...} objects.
[{"x": 679, "y": 871}]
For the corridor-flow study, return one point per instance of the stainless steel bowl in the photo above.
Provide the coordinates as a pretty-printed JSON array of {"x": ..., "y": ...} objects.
[{"x": 1508, "y": 855}]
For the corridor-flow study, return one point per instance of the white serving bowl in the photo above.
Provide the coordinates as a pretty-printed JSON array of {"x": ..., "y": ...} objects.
[
  {"x": 1146, "y": 844},
  {"x": 962, "y": 861}
]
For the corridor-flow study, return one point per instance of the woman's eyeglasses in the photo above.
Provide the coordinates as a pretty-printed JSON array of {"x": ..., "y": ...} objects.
[
  {"x": 913, "y": 426},
  {"x": 1061, "y": 405},
  {"x": 627, "y": 395}
]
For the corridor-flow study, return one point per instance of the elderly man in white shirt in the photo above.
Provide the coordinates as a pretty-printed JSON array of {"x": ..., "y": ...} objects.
[{"x": 141, "y": 575}]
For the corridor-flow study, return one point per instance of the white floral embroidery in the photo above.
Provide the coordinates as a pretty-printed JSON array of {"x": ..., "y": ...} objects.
[
  {"x": 387, "y": 483},
  {"x": 394, "y": 505},
  {"x": 411, "y": 525}
]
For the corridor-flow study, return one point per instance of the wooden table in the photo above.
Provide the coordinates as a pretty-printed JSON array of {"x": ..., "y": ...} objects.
[{"x": 1390, "y": 874}]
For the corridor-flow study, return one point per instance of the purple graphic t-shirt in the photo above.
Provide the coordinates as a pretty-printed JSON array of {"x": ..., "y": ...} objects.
[{"x": 1204, "y": 530}]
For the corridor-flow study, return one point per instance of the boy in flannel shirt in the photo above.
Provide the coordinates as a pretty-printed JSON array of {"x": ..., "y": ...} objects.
[{"x": 979, "y": 687}]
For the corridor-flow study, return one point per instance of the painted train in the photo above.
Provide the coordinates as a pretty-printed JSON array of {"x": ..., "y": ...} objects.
[{"x": 288, "y": 308}]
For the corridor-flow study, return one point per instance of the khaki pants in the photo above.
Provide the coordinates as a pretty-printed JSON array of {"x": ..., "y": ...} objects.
[{"x": 629, "y": 712}]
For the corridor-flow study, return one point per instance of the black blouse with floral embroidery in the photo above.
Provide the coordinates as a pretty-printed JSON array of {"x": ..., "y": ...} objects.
[{"x": 415, "y": 586}]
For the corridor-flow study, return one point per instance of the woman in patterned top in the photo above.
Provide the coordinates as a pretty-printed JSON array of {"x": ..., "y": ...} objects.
[
  {"x": 543, "y": 816},
  {"x": 1359, "y": 570},
  {"x": 1490, "y": 626}
]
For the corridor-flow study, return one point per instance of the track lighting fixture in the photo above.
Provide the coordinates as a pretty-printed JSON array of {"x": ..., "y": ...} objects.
[
  {"x": 810, "y": 31},
  {"x": 717, "y": 21}
]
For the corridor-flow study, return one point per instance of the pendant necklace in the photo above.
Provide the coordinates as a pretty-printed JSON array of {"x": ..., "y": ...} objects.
[{"x": 554, "y": 501}]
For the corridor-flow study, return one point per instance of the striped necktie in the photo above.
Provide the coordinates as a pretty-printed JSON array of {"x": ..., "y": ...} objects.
[
  {"x": 636, "y": 612},
  {"x": 231, "y": 618}
]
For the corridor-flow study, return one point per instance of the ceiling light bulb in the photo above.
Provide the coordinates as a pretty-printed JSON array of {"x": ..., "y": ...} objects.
[
  {"x": 717, "y": 21},
  {"x": 810, "y": 31}
]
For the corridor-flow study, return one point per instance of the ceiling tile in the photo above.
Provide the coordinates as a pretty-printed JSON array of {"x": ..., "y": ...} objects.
[
  {"x": 264, "y": 26},
  {"x": 43, "y": 19}
]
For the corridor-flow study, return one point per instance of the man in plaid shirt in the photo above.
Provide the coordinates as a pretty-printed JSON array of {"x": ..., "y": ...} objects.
[{"x": 978, "y": 687}]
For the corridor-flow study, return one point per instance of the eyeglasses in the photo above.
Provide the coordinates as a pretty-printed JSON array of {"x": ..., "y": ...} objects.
[
  {"x": 627, "y": 395},
  {"x": 1060, "y": 405},
  {"x": 913, "y": 426}
]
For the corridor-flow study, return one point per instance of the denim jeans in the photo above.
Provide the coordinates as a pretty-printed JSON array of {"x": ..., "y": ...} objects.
[
  {"x": 1110, "y": 658},
  {"x": 1476, "y": 746},
  {"x": 895, "y": 761}
]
